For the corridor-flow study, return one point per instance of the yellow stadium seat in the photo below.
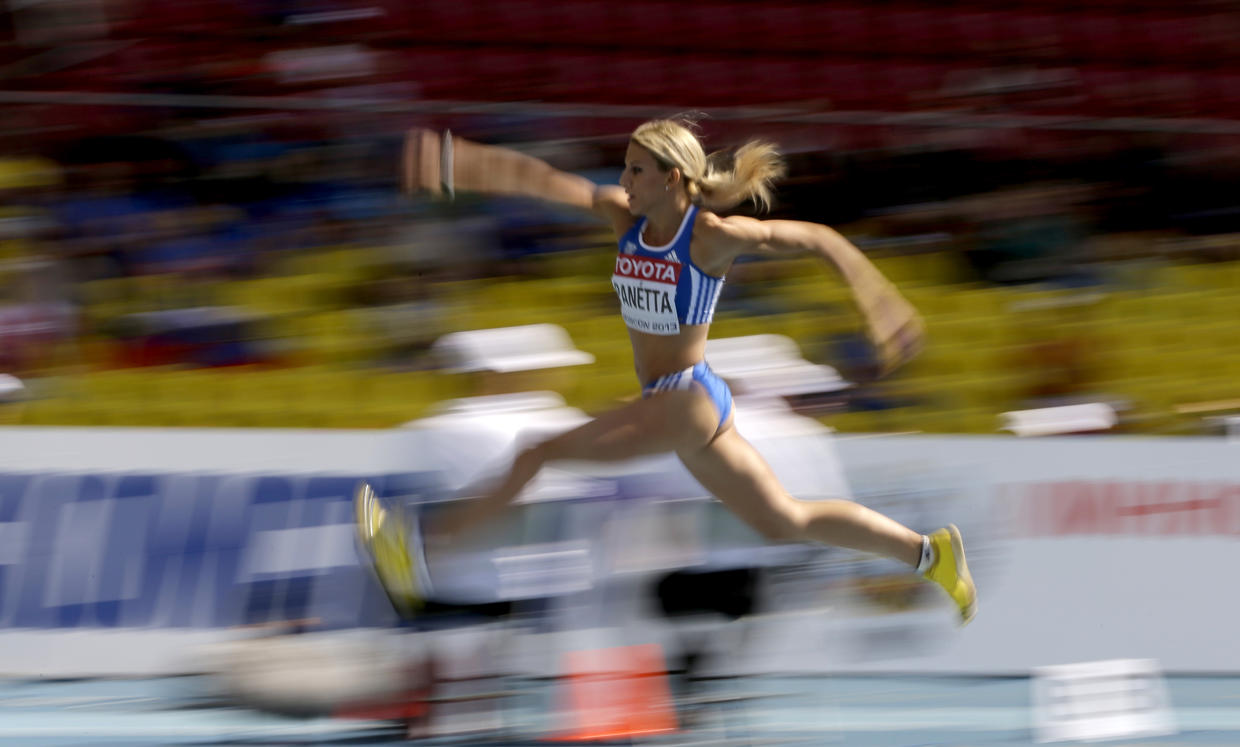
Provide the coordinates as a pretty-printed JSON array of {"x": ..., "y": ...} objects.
[
  {"x": 123, "y": 388},
  {"x": 811, "y": 328},
  {"x": 489, "y": 317},
  {"x": 860, "y": 421},
  {"x": 400, "y": 397},
  {"x": 737, "y": 325},
  {"x": 1221, "y": 335},
  {"x": 977, "y": 420},
  {"x": 981, "y": 301},
  {"x": 583, "y": 263},
  {"x": 337, "y": 338},
  {"x": 901, "y": 269},
  {"x": 50, "y": 411},
  {"x": 603, "y": 391},
  {"x": 930, "y": 420},
  {"x": 815, "y": 290},
  {"x": 1199, "y": 276}
]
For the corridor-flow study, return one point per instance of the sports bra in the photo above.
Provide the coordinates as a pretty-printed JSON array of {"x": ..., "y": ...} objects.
[{"x": 659, "y": 287}]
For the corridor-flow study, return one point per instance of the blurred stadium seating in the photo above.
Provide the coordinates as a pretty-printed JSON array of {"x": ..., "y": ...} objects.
[{"x": 295, "y": 300}]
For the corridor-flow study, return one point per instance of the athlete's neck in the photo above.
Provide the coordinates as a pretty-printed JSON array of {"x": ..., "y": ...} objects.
[{"x": 663, "y": 221}]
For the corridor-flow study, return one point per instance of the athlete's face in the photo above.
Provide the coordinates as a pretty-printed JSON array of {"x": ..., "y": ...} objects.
[{"x": 643, "y": 180}]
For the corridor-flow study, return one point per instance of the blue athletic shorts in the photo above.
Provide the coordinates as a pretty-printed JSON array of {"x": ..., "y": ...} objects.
[{"x": 708, "y": 379}]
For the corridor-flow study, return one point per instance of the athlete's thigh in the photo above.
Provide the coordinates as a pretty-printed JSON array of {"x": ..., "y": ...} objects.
[
  {"x": 667, "y": 421},
  {"x": 735, "y": 473}
]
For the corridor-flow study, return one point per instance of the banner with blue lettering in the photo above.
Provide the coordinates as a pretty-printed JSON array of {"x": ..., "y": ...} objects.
[{"x": 187, "y": 550}]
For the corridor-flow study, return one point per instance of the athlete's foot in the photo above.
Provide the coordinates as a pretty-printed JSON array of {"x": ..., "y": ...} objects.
[
  {"x": 952, "y": 572},
  {"x": 386, "y": 533}
]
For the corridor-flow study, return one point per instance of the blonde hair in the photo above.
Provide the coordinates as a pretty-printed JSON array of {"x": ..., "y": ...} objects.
[{"x": 716, "y": 181}]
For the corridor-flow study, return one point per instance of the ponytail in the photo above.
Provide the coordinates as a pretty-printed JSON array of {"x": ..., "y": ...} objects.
[{"x": 755, "y": 166}]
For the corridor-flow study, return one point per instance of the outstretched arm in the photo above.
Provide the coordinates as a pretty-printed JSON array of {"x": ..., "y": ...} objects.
[
  {"x": 892, "y": 323},
  {"x": 439, "y": 163}
]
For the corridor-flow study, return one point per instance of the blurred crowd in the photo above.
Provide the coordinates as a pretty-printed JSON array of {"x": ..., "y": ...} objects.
[{"x": 231, "y": 230}]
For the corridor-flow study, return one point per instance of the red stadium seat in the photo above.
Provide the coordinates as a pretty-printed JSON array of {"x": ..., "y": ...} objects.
[
  {"x": 637, "y": 78},
  {"x": 709, "y": 80},
  {"x": 909, "y": 86},
  {"x": 156, "y": 18},
  {"x": 1215, "y": 37},
  {"x": 513, "y": 22},
  {"x": 507, "y": 75},
  {"x": 911, "y": 31},
  {"x": 1036, "y": 36},
  {"x": 975, "y": 32},
  {"x": 1171, "y": 38},
  {"x": 845, "y": 28},
  {"x": 584, "y": 23},
  {"x": 790, "y": 27},
  {"x": 634, "y": 25},
  {"x": 844, "y": 84},
  {"x": 444, "y": 22},
  {"x": 1109, "y": 92},
  {"x": 1221, "y": 94},
  {"x": 725, "y": 27},
  {"x": 774, "y": 81},
  {"x": 662, "y": 24},
  {"x": 441, "y": 72},
  {"x": 1096, "y": 37},
  {"x": 575, "y": 76},
  {"x": 1168, "y": 93}
]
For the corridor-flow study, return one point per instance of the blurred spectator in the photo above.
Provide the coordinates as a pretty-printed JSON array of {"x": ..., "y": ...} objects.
[
  {"x": 26, "y": 186},
  {"x": 58, "y": 21},
  {"x": 402, "y": 316},
  {"x": 1028, "y": 234},
  {"x": 1060, "y": 365},
  {"x": 37, "y": 319},
  {"x": 194, "y": 239},
  {"x": 460, "y": 244},
  {"x": 12, "y": 396}
]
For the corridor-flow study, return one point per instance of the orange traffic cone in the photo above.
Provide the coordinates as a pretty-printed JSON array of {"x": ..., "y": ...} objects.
[{"x": 615, "y": 693}]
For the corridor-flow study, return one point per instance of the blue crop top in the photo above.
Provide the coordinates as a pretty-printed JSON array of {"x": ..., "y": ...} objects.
[{"x": 659, "y": 287}]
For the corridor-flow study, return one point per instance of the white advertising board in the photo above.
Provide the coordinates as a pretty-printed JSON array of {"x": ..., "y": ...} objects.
[{"x": 1084, "y": 548}]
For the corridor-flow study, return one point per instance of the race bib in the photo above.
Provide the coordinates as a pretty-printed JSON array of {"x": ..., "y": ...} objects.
[{"x": 647, "y": 290}]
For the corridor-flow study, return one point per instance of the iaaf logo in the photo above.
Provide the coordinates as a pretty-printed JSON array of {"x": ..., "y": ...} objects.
[{"x": 646, "y": 268}]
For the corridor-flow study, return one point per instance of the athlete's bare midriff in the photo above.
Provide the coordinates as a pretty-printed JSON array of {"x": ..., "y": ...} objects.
[{"x": 660, "y": 355}]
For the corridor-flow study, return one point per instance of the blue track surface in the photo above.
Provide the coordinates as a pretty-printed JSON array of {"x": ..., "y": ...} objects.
[{"x": 758, "y": 711}]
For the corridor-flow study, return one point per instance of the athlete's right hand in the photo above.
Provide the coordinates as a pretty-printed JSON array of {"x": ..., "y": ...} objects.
[{"x": 421, "y": 162}]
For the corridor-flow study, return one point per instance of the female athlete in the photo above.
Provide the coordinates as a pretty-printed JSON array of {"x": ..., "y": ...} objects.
[{"x": 674, "y": 251}]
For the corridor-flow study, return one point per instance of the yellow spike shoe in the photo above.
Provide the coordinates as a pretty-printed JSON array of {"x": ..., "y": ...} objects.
[
  {"x": 386, "y": 534},
  {"x": 952, "y": 572}
]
